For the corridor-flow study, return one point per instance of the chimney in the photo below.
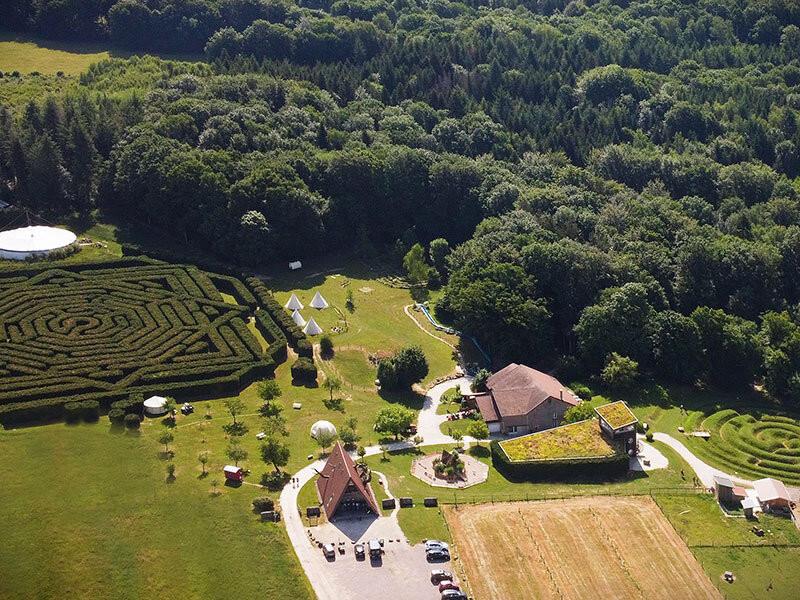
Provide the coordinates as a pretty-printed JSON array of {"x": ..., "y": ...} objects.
[{"x": 561, "y": 394}]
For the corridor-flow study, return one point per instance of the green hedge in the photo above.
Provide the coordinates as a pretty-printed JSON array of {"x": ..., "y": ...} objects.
[
  {"x": 558, "y": 470},
  {"x": 31, "y": 390},
  {"x": 294, "y": 335},
  {"x": 304, "y": 369}
]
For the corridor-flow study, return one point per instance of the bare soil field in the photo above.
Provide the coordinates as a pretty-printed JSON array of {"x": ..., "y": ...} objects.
[{"x": 591, "y": 547}]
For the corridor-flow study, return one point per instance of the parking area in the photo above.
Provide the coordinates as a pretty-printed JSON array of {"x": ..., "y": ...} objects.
[{"x": 402, "y": 572}]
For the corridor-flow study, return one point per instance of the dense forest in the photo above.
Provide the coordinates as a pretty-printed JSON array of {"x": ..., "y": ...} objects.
[{"x": 590, "y": 179}]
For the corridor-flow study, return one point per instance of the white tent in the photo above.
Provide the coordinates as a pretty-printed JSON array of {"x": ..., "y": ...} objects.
[
  {"x": 325, "y": 426},
  {"x": 294, "y": 303},
  {"x": 318, "y": 301},
  {"x": 155, "y": 405},
  {"x": 298, "y": 319},
  {"x": 312, "y": 328}
]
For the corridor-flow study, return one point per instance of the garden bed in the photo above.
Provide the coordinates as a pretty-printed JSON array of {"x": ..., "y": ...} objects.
[{"x": 568, "y": 442}]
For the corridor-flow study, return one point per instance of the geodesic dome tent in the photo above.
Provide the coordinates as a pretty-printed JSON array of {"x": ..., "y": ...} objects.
[{"x": 322, "y": 426}]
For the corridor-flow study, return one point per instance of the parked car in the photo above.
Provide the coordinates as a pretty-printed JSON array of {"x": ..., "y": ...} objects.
[
  {"x": 447, "y": 584},
  {"x": 438, "y": 554},
  {"x": 329, "y": 550},
  {"x": 438, "y": 575},
  {"x": 375, "y": 549},
  {"x": 359, "y": 550},
  {"x": 453, "y": 595},
  {"x": 187, "y": 409},
  {"x": 431, "y": 544}
]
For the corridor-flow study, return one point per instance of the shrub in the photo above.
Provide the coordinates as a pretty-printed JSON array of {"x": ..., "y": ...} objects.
[
  {"x": 620, "y": 371},
  {"x": 402, "y": 370},
  {"x": 582, "y": 391},
  {"x": 132, "y": 421},
  {"x": 116, "y": 416},
  {"x": 72, "y": 412},
  {"x": 479, "y": 383},
  {"x": 263, "y": 503},
  {"x": 304, "y": 369},
  {"x": 326, "y": 345},
  {"x": 274, "y": 480},
  {"x": 649, "y": 436},
  {"x": 304, "y": 348}
]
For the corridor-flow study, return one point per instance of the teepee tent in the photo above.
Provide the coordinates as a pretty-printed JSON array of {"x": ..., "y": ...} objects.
[
  {"x": 298, "y": 319},
  {"x": 318, "y": 301},
  {"x": 294, "y": 303},
  {"x": 312, "y": 328}
]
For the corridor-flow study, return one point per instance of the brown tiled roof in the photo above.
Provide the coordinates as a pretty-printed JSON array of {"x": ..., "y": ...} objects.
[
  {"x": 333, "y": 481},
  {"x": 487, "y": 408},
  {"x": 518, "y": 389}
]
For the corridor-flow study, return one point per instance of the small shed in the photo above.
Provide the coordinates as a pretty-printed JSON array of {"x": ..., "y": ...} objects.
[
  {"x": 155, "y": 405},
  {"x": 618, "y": 422},
  {"x": 772, "y": 494},
  {"x": 294, "y": 265},
  {"x": 233, "y": 473},
  {"x": 724, "y": 489},
  {"x": 748, "y": 506}
]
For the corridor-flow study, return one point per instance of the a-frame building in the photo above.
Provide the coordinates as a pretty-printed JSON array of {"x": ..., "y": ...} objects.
[{"x": 341, "y": 488}]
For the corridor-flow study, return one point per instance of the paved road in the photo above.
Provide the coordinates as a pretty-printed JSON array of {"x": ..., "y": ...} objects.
[
  {"x": 336, "y": 581},
  {"x": 706, "y": 472}
]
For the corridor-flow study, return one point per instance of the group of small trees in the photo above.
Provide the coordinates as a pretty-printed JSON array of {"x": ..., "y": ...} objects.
[{"x": 402, "y": 370}]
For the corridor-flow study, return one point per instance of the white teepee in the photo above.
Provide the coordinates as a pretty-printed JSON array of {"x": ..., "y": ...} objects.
[
  {"x": 312, "y": 328},
  {"x": 318, "y": 301},
  {"x": 294, "y": 303},
  {"x": 298, "y": 319}
]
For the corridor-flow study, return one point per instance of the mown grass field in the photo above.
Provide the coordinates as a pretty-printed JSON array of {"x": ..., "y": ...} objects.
[
  {"x": 88, "y": 513},
  {"x": 28, "y": 55},
  {"x": 592, "y": 547},
  {"x": 750, "y": 437}
]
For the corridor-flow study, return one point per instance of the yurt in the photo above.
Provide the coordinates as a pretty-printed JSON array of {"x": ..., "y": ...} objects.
[
  {"x": 33, "y": 241},
  {"x": 294, "y": 303},
  {"x": 298, "y": 319},
  {"x": 155, "y": 405},
  {"x": 312, "y": 328},
  {"x": 322, "y": 426},
  {"x": 318, "y": 301}
]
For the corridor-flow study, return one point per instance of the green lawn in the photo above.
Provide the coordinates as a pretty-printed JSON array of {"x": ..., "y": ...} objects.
[
  {"x": 723, "y": 543},
  {"x": 397, "y": 468},
  {"x": 27, "y": 55},
  {"x": 378, "y": 324},
  {"x": 750, "y": 437},
  {"x": 772, "y": 573},
  {"x": 700, "y": 521},
  {"x": 354, "y": 368},
  {"x": 88, "y": 512}
]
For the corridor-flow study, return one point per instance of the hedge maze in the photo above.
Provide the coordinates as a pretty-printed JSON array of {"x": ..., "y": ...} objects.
[
  {"x": 765, "y": 447},
  {"x": 102, "y": 331}
]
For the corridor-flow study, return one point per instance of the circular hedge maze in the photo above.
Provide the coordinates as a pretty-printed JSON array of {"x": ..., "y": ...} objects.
[
  {"x": 765, "y": 447},
  {"x": 103, "y": 331}
]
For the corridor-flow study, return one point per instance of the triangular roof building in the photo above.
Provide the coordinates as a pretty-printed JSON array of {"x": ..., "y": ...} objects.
[
  {"x": 318, "y": 301},
  {"x": 298, "y": 319},
  {"x": 294, "y": 303},
  {"x": 312, "y": 328},
  {"x": 340, "y": 484}
]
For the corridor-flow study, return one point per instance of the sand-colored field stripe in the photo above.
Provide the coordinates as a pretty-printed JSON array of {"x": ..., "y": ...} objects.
[{"x": 590, "y": 547}]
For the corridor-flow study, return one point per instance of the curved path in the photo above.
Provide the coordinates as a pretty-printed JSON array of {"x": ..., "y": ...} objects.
[{"x": 705, "y": 472}]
